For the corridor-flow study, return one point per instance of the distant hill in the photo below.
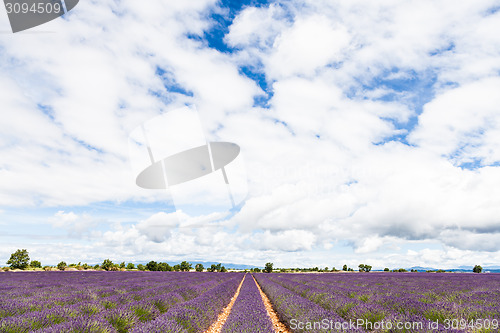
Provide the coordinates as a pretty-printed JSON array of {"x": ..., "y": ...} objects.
[
  {"x": 423, "y": 269},
  {"x": 491, "y": 269},
  {"x": 207, "y": 264},
  {"x": 460, "y": 269}
]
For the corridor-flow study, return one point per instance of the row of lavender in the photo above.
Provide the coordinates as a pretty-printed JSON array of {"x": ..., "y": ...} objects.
[
  {"x": 113, "y": 301},
  {"x": 297, "y": 312},
  {"x": 377, "y": 301},
  {"x": 248, "y": 314}
]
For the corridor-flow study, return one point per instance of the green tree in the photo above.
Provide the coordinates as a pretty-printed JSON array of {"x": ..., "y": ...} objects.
[
  {"x": 223, "y": 269},
  {"x": 185, "y": 266},
  {"x": 477, "y": 269},
  {"x": 130, "y": 265},
  {"x": 199, "y": 267},
  {"x": 216, "y": 268},
  {"x": 268, "y": 268},
  {"x": 107, "y": 264},
  {"x": 122, "y": 265},
  {"x": 61, "y": 266},
  {"x": 256, "y": 270},
  {"x": 177, "y": 268},
  {"x": 364, "y": 268},
  {"x": 36, "y": 264},
  {"x": 344, "y": 268},
  {"x": 164, "y": 267},
  {"x": 19, "y": 259},
  {"x": 141, "y": 267},
  {"x": 386, "y": 269},
  {"x": 152, "y": 266}
]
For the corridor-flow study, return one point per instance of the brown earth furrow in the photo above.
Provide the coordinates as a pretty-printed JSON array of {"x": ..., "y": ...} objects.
[
  {"x": 278, "y": 326},
  {"x": 217, "y": 326}
]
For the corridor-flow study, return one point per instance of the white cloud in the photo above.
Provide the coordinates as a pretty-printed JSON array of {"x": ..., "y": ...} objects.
[
  {"x": 161, "y": 226},
  {"x": 270, "y": 20},
  {"x": 289, "y": 240},
  {"x": 344, "y": 77},
  {"x": 96, "y": 79},
  {"x": 463, "y": 123},
  {"x": 471, "y": 239},
  {"x": 311, "y": 43},
  {"x": 369, "y": 245},
  {"x": 158, "y": 227},
  {"x": 75, "y": 225}
]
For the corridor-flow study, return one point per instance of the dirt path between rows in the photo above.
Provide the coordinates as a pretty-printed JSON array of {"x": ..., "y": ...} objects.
[
  {"x": 221, "y": 320},
  {"x": 278, "y": 326}
]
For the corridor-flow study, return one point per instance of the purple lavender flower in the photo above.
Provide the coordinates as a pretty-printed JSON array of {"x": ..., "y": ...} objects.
[{"x": 248, "y": 314}]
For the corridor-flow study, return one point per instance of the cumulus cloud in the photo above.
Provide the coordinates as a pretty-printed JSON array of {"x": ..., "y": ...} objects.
[
  {"x": 471, "y": 240},
  {"x": 158, "y": 227},
  {"x": 463, "y": 124},
  {"x": 76, "y": 225},
  {"x": 312, "y": 42},
  {"x": 288, "y": 240},
  {"x": 398, "y": 190},
  {"x": 97, "y": 81}
]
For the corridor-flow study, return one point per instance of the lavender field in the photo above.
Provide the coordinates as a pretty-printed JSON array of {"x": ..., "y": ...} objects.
[
  {"x": 192, "y": 302},
  {"x": 113, "y": 301},
  {"x": 386, "y": 302}
]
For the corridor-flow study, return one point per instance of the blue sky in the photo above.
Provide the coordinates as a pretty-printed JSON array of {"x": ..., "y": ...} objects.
[{"x": 369, "y": 131}]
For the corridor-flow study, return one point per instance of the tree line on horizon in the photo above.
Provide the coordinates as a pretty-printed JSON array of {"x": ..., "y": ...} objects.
[{"x": 21, "y": 260}]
